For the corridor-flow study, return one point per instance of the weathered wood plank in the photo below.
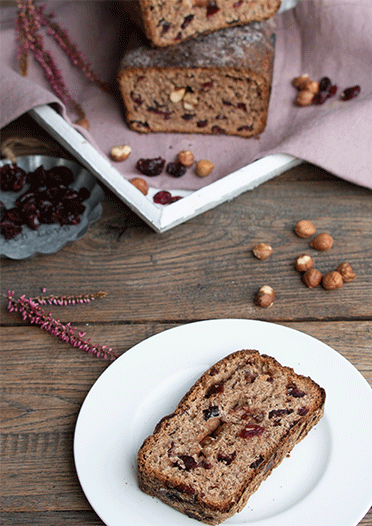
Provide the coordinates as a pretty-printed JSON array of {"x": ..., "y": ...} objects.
[{"x": 205, "y": 268}]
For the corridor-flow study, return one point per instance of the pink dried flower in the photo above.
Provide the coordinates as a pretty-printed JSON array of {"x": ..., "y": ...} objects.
[
  {"x": 30, "y": 309},
  {"x": 30, "y": 20}
]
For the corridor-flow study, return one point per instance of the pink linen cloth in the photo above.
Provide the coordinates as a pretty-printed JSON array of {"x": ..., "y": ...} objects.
[{"x": 320, "y": 37}]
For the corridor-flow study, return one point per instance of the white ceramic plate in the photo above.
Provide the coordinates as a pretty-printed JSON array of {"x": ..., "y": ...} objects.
[{"x": 325, "y": 481}]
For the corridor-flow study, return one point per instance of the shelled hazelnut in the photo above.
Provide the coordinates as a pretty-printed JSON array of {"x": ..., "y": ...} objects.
[
  {"x": 204, "y": 168},
  {"x": 262, "y": 250},
  {"x": 305, "y": 228},
  {"x": 186, "y": 158},
  {"x": 265, "y": 297},
  {"x": 312, "y": 278},
  {"x": 346, "y": 271},
  {"x": 304, "y": 262},
  {"x": 140, "y": 184},
  {"x": 322, "y": 242},
  {"x": 120, "y": 153},
  {"x": 332, "y": 280}
]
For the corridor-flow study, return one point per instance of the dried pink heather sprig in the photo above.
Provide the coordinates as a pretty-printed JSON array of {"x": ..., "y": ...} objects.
[
  {"x": 30, "y": 309},
  {"x": 30, "y": 20}
]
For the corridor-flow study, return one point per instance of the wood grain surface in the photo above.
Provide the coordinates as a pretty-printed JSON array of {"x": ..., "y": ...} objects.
[{"x": 200, "y": 270}]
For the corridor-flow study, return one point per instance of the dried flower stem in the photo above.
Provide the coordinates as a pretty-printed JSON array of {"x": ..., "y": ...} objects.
[
  {"x": 30, "y": 310},
  {"x": 30, "y": 20}
]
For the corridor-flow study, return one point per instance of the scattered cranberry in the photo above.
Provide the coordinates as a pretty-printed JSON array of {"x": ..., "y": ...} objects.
[
  {"x": 294, "y": 391},
  {"x": 174, "y": 198},
  {"x": 165, "y": 28},
  {"x": 320, "y": 97},
  {"x": 280, "y": 412},
  {"x": 176, "y": 169},
  {"x": 187, "y": 20},
  {"x": 162, "y": 198},
  {"x": 325, "y": 83},
  {"x": 190, "y": 462},
  {"x": 151, "y": 167},
  {"x": 350, "y": 93}
]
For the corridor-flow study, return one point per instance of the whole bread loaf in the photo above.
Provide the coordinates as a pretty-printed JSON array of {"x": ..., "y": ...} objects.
[
  {"x": 169, "y": 22},
  {"x": 215, "y": 84},
  {"x": 227, "y": 434}
]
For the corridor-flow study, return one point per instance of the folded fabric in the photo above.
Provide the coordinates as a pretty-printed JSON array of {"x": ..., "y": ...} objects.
[{"x": 322, "y": 38}]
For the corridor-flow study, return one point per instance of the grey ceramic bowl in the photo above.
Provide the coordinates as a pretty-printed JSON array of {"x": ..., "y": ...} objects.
[{"x": 48, "y": 239}]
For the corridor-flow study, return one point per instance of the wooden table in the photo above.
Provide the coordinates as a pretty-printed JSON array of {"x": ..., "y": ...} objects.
[{"x": 200, "y": 270}]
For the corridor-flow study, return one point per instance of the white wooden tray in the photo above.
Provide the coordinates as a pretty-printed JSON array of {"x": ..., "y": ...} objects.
[{"x": 160, "y": 217}]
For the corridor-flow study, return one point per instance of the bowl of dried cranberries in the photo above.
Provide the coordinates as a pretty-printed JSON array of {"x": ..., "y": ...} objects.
[{"x": 45, "y": 202}]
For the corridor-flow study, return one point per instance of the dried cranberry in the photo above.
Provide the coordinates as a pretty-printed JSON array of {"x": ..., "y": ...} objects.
[
  {"x": 250, "y": 377},
  {"x": 211, "y": 412},
  {"x": 190, "y": 462},
  {"x": 280, "y": 412},
  {"x": 9, "y": 230},
  {"x": 202, "y": 124},
  {"x": 302, "y": 411},
  {"x": 206, "y": 86},
  {"x": 151, "y": 167},
  {"x": 205, "y": 464},
  {"x": 257, "y": 462},
  {"x": 350, "y": 93},
  {"x": 242, "y": 106},
  {"x": 237, "y": 4},
  {"x": 215, "y": 389},
  {"x": 294, "y": 391},
  {"x": 12, "y": 178},
  {"x": 187, "y": 20},
  {"x": 251, "y": 430},
  {"x": 176, "y": 169},
  {"x": 226, "y": 459},
  {"x": 325, "y": 83},
  {"x": 188, "y": 116},
  {"x": 158, "y": 111},
  {"x": 174, "y": 198},
  {"x": 162, "y": 198},
  {"x": 218, "y": 130},
  {"x": 60, "y": 175},
  {"x": 136, "y": 98},
  {"x": 332, "y": 90},
  {"x": 320, "y": 97},
  {"x": 212, "y": 8},
  {"x": 165, "y": 26}
]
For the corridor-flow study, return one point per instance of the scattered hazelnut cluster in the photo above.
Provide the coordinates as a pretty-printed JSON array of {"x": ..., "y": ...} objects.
[
  {"x": 313, "y": 92},
  {"x": 311, "y": 276}
]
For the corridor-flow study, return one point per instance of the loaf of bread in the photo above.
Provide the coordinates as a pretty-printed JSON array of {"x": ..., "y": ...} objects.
[
  {"x": 169, "y": 22},
  {"x": 215, "y": 84},
  {"x": 233, "y": 427}
]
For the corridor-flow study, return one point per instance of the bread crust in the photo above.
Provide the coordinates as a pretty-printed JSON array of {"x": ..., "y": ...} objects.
[{"x": 259, "y": 420}]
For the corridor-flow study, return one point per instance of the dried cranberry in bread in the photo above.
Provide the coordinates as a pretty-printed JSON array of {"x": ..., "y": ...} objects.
[
  {"x": 214, "y": 84},
  {"x": 169, "y": 22},
  {"x": 233, "y": 427}
]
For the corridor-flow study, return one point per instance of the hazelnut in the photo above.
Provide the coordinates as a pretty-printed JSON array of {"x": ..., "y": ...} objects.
[
  {"x": 312, "y": 278},
  {"x": 189, "y": 101},
  {"x": 262, "y": 250},
  {"x": 305, "y": 228},
  {"x": 313, "y": 86},
  {"x": 322, "y": 242},
  {"x": 265, "y": 297},
  {"x": 120, "y": 153},
  {"x": 301, "y": 82},
  {"x": 304, "y": 98},
  {"x": 83, "y": 122},
  {"x": 186, "y": 158},
  {"x": 204, "y": 168},
  {"x": 140, "y": 184},
  {"x": 304, "y": 262},
  {"x": 346, "y": 271},
  {"x": 333, "y": 280},
  {"x": 177, "y": 94}
]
